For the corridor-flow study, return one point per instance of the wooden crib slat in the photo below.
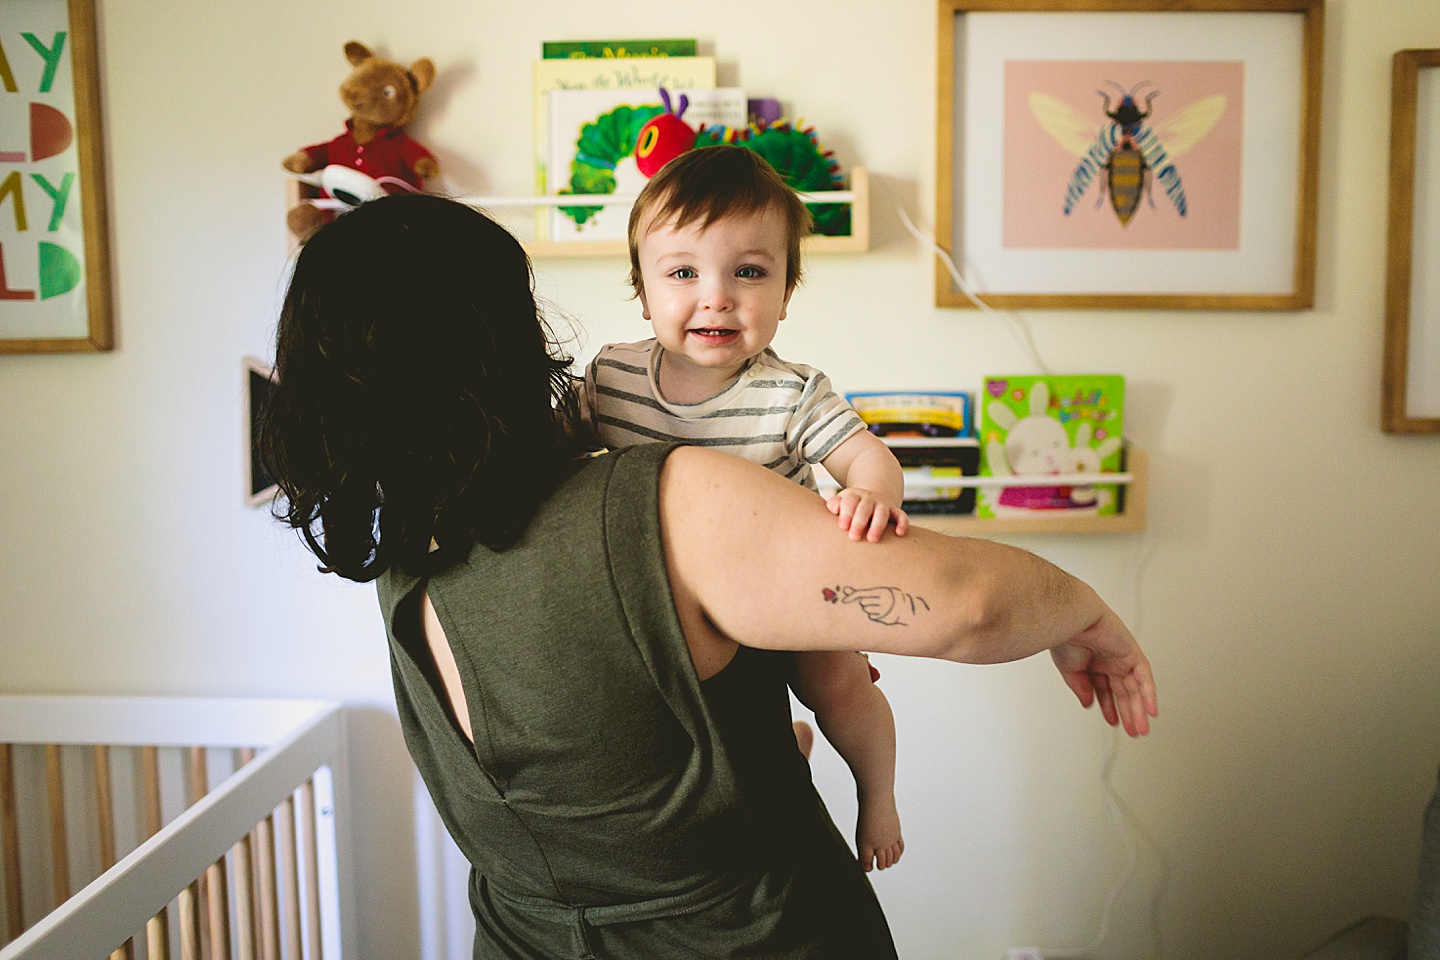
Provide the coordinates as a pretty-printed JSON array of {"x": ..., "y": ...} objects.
[
  {"x": 105, "y": 825},
  {"x": 10, "y": 846},
  {"x": 189, "y": 922},
  {"x": 157, "y": 928},
  {"x": 244, "y": 899},
  {"x": 247, "y": 930},
  {"x": 157, "y": 936},
  {"x": 219, "y": 903},
  {"x": 104, "y": 805},
  {"x": 214, "y": 885},
  {"x": 191, "y": 898},
  {"x": 59, "y": 844},
  {"x": 269, "y": 902},
  {"x": 312, "y": 872},
  {"x": 150, "y": 773},
  {"x": 199, "y": 786},
  {"x": 290, "y": 877}
]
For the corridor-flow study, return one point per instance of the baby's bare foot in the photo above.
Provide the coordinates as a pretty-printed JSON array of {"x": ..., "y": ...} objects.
[{"x": 877, "y": 833}]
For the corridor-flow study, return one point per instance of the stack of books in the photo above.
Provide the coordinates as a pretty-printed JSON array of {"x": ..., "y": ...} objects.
[
  {"x": 931, "y": 435},
  {"x": 590, "y": 100}
]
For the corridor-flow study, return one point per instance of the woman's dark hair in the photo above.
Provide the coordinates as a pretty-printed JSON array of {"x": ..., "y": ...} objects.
[{"x": 419, "y": 394}]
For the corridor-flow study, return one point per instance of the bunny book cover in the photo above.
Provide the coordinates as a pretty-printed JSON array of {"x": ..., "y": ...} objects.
[{"x": 1051, "y": 427}]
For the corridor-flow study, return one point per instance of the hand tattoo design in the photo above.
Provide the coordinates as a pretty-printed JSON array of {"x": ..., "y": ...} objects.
[{"x": 888, "y": 606}]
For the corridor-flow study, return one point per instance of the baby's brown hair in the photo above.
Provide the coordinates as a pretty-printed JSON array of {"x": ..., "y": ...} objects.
[{"x": 708, "y": 184}]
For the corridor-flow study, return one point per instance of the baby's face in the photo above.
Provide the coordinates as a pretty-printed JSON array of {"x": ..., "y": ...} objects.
[{"x": 715, "y": 294}]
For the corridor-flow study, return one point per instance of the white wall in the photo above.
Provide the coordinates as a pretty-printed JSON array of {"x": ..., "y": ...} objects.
[{"x": 1288, "y": 587}]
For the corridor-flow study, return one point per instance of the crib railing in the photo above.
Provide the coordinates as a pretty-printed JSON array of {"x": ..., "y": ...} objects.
[{"x": 113, "y": 796}]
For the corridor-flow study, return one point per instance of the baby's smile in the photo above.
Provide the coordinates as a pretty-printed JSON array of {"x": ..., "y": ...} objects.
[{"x": 714, "y": 334}]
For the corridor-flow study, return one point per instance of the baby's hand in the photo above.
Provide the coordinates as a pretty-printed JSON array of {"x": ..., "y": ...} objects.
[{"x": 865, "y": 515}]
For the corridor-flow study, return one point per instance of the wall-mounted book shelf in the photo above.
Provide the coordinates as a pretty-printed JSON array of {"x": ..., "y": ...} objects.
[
  {"x": 1131, "y": 520},
  {"x": 857, "y": 196},
  {"x": 858, "y": 241}
]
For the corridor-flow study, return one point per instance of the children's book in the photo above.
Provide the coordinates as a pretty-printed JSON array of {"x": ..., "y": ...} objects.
[
  {"x": 616, "y": 49},
  {"x": 1051, "y": 426},
  {"x": 630, "y": 73},
  {"x": 590, "y": 148},
  {"x": 914, "y": 414},
  {"x": 930, "y": 434}
]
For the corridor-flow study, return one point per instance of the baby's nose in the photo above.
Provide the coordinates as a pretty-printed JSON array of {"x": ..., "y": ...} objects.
[{"x": 717, "y": 296}]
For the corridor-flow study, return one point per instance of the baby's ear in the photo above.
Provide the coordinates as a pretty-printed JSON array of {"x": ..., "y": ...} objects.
[{"x": 644, "y": 306}]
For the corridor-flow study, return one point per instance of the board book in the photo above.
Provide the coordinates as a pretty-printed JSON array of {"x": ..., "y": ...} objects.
[
  {"x": 590, "y": 148},
  {"x": 616, "y": 49},
  {"x": 930, "y": 434},
  {"x": 1039, "y": 427},
  {"x": 600, "y": 73}
]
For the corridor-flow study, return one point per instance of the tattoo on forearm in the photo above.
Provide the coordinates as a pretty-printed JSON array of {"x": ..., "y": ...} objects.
[{"x": 888, "y": 606}]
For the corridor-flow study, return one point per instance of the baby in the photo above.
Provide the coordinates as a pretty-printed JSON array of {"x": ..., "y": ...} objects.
[{"x": 714, "y": 257}]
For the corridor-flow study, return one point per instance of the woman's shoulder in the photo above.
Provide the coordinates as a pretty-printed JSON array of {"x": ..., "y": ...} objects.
[{"x": 612, "y": 476}]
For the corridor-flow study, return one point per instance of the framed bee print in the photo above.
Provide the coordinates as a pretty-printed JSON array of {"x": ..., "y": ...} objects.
[
  {"x": 54, "y": 258},
  {"x": 1109, "y": 154},
  {"x": 1411, "y": 380}
]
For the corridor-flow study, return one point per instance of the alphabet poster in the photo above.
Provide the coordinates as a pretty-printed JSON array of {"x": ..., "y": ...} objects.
[{"x": 49, "y": 154}]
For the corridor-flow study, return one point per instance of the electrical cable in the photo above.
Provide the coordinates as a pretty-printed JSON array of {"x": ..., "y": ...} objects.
[
  {"x": 1018, "y": 326},
  {"x": 1120, "y": 812},
  {"x": 1146, "y": 552},
  {"x": 1124, "y": 817}
]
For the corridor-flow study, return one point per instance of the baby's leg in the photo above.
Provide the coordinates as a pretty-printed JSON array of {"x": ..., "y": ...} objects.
[
  {"x": 855, "y": 717},
  {"x": 804, "y": 737}
]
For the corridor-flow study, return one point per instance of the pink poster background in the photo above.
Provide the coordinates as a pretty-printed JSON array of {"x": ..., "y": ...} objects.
[{"x": 1037, "y": 169}]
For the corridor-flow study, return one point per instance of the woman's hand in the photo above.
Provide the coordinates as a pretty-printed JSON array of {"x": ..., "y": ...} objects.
[{"x": 1103, "y": 662}]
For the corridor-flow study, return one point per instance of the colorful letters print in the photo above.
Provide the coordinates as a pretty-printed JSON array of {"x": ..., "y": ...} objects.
[{"x": 42, "y": 250}]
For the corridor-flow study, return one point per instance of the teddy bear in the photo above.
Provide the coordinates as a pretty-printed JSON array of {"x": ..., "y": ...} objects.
[{"x": 381, "y": 96}]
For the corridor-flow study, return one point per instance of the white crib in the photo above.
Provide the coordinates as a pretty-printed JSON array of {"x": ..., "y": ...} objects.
[{"x": 113, "y": 842}]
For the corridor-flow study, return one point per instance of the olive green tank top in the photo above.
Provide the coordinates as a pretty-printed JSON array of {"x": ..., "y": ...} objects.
[{"x": 614, "y": 805}]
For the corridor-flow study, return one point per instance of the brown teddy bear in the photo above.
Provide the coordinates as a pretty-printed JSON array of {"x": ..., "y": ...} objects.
[{"x": 381, "y": 96}]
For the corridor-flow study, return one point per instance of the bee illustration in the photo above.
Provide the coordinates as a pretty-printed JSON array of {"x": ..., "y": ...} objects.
[{"x": 1131, "y": 153}]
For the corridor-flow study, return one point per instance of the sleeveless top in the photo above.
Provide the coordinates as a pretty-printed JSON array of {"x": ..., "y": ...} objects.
[{"x": 614, "y": 805}]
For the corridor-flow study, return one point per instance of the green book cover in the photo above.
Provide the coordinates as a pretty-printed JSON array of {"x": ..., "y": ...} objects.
[
  {"x": 599, "y": 49},
  {"x": 1051, "y": 426},
  {"x": 632, "y": 73}
]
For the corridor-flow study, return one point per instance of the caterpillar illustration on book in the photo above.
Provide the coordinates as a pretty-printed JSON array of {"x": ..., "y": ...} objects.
[{"x": 656, "y": 133}]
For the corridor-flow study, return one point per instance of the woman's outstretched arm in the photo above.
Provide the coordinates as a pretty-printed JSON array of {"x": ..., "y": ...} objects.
[{"x": 756, "y": 560}]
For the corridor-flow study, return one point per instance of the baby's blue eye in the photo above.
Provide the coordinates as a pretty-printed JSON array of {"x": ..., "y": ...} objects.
[
  {"x": 684, "y": 273},
  {"x": 750, "y": 273}
]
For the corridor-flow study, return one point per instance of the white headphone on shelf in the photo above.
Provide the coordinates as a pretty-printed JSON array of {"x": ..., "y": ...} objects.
[{"x": 348, "y": 187}]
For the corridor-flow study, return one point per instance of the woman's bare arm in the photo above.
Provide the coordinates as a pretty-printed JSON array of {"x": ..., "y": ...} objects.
[{"x": 756, "y": 560}]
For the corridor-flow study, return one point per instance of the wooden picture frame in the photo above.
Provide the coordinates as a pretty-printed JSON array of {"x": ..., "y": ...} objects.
[
  {"x": 260, "y": 489},
  {"x": 54, "y": 230},
  {"x": 1259, "y": 251},
  {"x": 1410, "y": 401}
]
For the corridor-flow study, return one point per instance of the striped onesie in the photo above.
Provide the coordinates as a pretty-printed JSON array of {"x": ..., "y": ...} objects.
[{"x": 783, "y": 416}]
